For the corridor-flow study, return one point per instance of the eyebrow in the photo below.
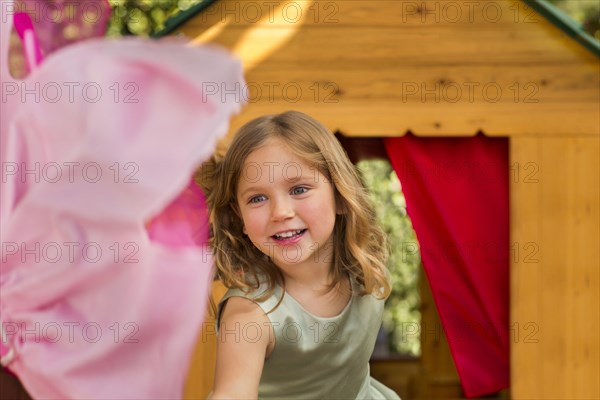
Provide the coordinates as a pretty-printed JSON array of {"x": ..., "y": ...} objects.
[
  {"x": 250, "y": 189},
  {"x": 291, "y": 181}
]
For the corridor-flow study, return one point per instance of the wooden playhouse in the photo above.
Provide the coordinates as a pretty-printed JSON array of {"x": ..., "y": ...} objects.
[{"x": 379, "y": 68}]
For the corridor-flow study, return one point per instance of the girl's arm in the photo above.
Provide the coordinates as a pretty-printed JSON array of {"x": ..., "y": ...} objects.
[{"x": 240, "y": 353}]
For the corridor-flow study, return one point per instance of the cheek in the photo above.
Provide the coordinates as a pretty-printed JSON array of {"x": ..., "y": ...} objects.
[
  {"x": 321, "y": 211},
  {"x": 252, "y": 220}
]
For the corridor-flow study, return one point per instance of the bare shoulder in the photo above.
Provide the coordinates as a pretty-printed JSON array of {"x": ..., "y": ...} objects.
[
  {"x": 242, "y": 345},
  {"x": 241, "y": 318}
]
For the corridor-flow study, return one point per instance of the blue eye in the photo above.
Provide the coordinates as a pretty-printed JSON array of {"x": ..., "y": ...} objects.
[
  {"x": 256, "y": 199},
  {"x": 299, "y": 190}
]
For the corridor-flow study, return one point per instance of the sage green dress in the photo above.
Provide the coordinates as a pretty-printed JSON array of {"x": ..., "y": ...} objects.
[{"x": 316, "y": 357}]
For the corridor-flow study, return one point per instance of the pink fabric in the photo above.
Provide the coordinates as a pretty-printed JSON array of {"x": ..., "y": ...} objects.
[
  {"x": 184, "y": 222},
  {"x": 59, "y": 23},
  {"x": 31, "y": 44},
  {"x": 119, "y": 324}
]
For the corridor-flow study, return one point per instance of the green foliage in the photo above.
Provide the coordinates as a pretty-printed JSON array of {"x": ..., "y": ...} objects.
[
  {"x": 143, "y": 17},
  {"x": 585, "y": 12},
  {"x": 402, "y": 307}
]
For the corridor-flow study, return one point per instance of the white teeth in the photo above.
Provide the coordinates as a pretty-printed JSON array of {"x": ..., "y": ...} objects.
[{"x": 287, "y": 234}]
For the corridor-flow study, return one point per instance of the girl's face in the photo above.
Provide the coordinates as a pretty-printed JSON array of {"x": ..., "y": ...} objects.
[{"x": 287, "y": 207}]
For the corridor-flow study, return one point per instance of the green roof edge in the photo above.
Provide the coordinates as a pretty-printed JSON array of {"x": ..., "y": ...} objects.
[
  {"x": 180, "y": 18},
  {"x": 565, "y": 23}
]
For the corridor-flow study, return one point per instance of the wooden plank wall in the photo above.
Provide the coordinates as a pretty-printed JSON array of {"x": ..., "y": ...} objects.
[
  {"x": 382, "y": 67},
  {"x": 555, "y": 303},
  {"x": 199, "y": 382}
]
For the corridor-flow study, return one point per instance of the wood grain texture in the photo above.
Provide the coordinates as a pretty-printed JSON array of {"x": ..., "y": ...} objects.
[
  {"x": 370, "y": 118},
  {"x": 382, "y": 68},
  {"x": 201, "y": 374},
  {"x": 555, "y": 304}
]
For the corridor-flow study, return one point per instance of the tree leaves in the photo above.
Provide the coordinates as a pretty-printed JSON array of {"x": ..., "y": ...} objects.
[{"x": 402, "y": 315}]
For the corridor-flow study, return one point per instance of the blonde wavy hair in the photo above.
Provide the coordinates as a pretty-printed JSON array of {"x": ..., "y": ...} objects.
[{"x": 360, "y": 248}]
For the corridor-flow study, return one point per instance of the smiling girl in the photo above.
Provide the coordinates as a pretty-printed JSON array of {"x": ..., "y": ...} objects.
[{"x": 296, "y": 243}]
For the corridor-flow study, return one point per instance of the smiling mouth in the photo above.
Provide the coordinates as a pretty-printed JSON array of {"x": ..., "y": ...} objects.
[{"x": 289, "y": 235}]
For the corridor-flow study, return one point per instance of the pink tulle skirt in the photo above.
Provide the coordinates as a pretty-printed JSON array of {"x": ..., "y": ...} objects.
[{"x": 105, "y": 269}]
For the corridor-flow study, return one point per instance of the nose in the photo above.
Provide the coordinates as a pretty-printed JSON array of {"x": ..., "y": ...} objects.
[{"x": 282, "y": 209}]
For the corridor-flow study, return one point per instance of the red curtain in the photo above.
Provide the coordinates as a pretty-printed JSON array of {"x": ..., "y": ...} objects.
[{"x": 456, "y": 192}]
